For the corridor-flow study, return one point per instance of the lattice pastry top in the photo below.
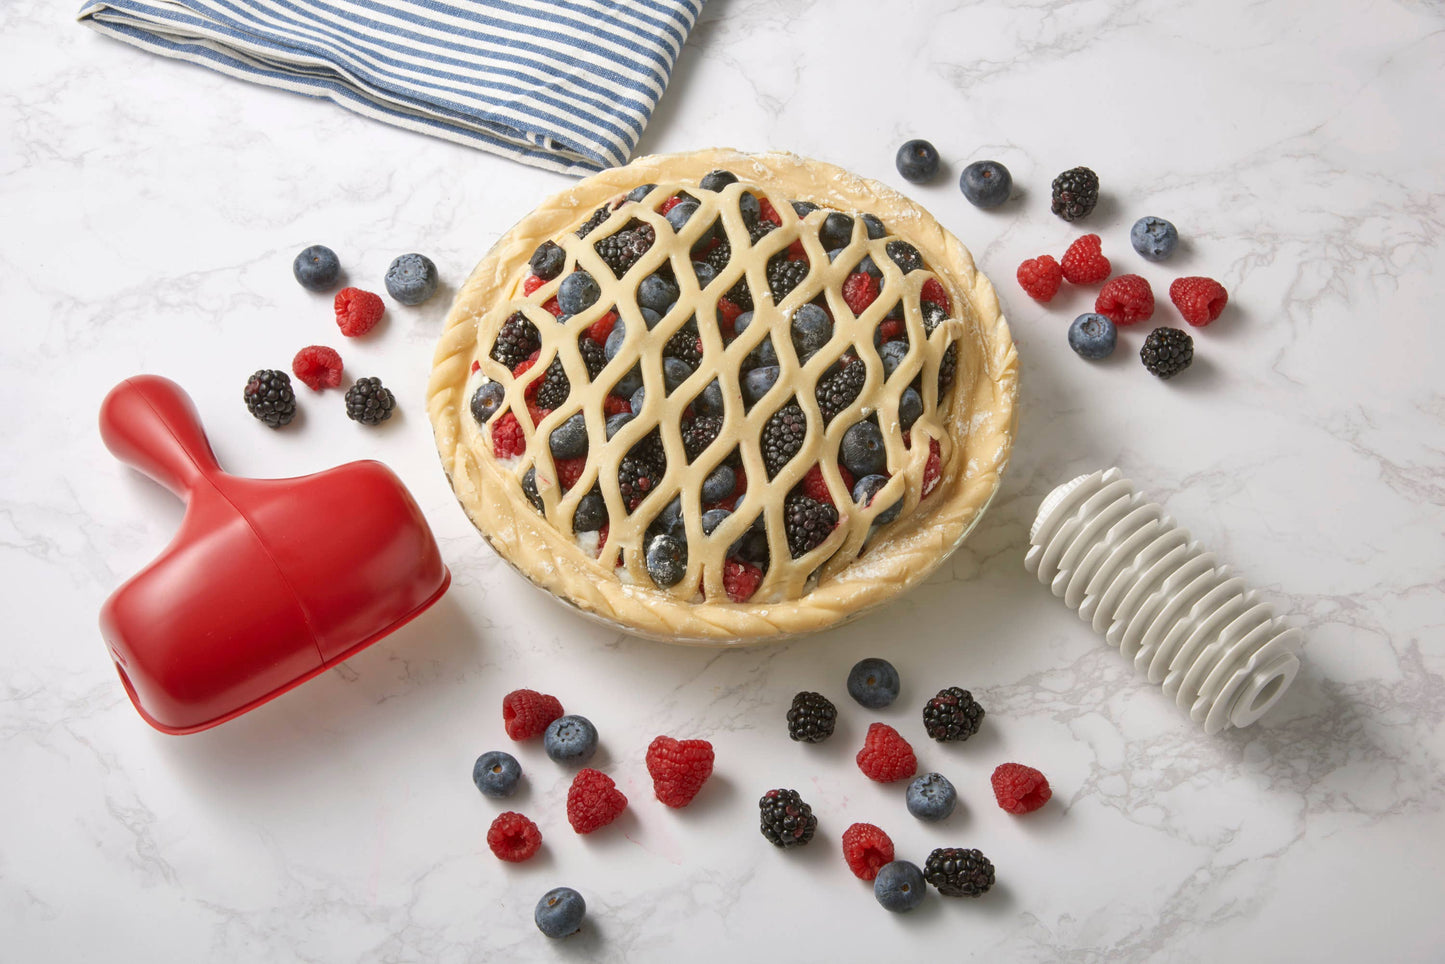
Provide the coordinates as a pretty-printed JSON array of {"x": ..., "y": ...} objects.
[{"x": 718, "y": 397}]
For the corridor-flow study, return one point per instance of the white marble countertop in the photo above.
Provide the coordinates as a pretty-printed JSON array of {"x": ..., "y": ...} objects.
[{"x": 150, "y": 213}]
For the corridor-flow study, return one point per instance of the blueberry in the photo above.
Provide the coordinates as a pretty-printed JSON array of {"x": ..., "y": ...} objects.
[
  {"x": 613, "y": 344},
  {"x": 628, "y": 383},
  {"x": 638, "y": 399},
  {"x": 681, "y": 214},
  {"x": 578, "y": 292},
  {"x": 833, "y": 254},
  {"x": 748, "y": 208},
  {"x": 669, "y": 520},
  {"x": 763, "y": 356},
  {"x": 741, "y": 322},
  {"x": 757, "y": 382},
  {"x": 986, "y": 184},
  {"x": 931, "y": 797},
  {"x": 875, "y": 227},
  {"x": 1154, "y": 238},
  {"x": 666, "y": 560},
  {"x": 615, "y": 422},
  {"x": 910, "y": 407},
  {"x": 713, "y": 518},
  {"x": 591, "y": 512},
  {"x": 812, "y": 328},
  {"x": 570, "y": 739},
  {"x": 803, "y": 208},
  {"x": 870, "y": 266},
  {"x": 411, "y": 279},
  {"x": 862, "y": 450},
  {"x": 656, "y": 292},
  {"x": 873, "y": 682},
  {"x": 496, "y": 773},
  {"x": 675, "y": 371},
  {"x": 752, "y": 546},
  {"x": 710, "y": 400},
  {"x": 569, "y": 440},
  {"x": 652, "y": 318},
  {"x": 560, "y": 911},
  {"x": 717, "y": 180},
  {"x": 863, "y": 492},
  {"x": 486, "y": 400},
  {"x": 705, "y": 273},
  {"x": 640, "y": 192},
  {"x": 317, "y": 268},
  {"x": 548, "y": 260},
  {"x": 917, "y": 161},
  {"x": 529, "y": 489},
  {"x": 893, "y": 354},
  {"x": 718, "y": 485},
  {"x": 898, "y": 887},
  {"x": 836, "y": 231},
  {"x": 1092, "y": 336}
]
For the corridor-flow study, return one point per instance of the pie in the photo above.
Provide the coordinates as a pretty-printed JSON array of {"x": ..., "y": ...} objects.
[{"x": 718, "y": 397}]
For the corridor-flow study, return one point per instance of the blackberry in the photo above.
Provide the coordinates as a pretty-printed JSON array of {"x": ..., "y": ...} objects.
[
  {"x": 785, "y": 819},
  {"x": 785, "y": 275},
  {"x": 904, "y": 255},
  {"x": 1075, "y": 192},
  {"x": 811, "y": 718},
  {"x": 720, "y": 255},
  {"x": 684, "y": 345},
  {"x": 555, "y": 386},
  {"x": 958, "y": 872},
  {"x": 649, "y": 447},
  {"x": 269, "y": 397},
  {"x": 947, "y": 366},
  {"x": 623, "y": 249},
  {"x": 952, "y": 715},
  {"x": 592, "y": 356},
  {"x": 636, "y": 477},
  {"x": 837, "y": 391},
  {"x": 368, "y": 402},
  {"x": 783, "y": 436},
  {"x": 592, "y": 223},
  {"x": 515, "y": 342},
  {"x": 933, "y": 316},
  {"x": 1167, "y": 352},
  {"x": 807, "y": 522},
  {"x": 741, "y": 295},
  {"x": 759, "y": 230},
  {"x": 699, "y": 433}
]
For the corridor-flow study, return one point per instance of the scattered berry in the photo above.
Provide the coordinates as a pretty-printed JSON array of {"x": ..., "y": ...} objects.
[
  {"x": 741, "y": 580},
  {"x": 514, "y": 838},
  {"x": 357, "y": 311},
  {"x": 1154, "y": 238},
  {"x": 952, "y": 715},
  {"x": 317, "y": 367},
  {"x": 1125, "y": 300},
  {"x": 958, "y": 872},
  {"x": 496, "y": 773},
  {"x": 859, "y": 291},
  {"x": 316, "y": 268},
  {"x": 1199, "y": 300},
  {"x": 527, "y": 713},
  {"x": 886, "y": 755},
  {"x": 873, "y": 683},
  {"x": 1084, "y": 263},
  {"x": 507, "y": 438},
  {"x": 811, "y": 718},
  {"x": 931, "y": 797},
  {"x": 560, "y": 912},
  {"x": 1167, "y": 352},
  {"x": 269, "y": 397},
  {"x": 917, "y": 161},
  {"x": 899, "y": 886},
  {"x": 1075, "y": 192},
  {"x": 986, "y": 184},
  {"x": 866, "y": 849},
  {"x": 369, "y": 402},
  {"x": 593, "y": 801},
  {"x": 1040, "y": 278},
  {"x": 570, "y": 739},
  {"x": 411, "y": 279},
  {"x": 679, "y": 768},
  {"x": 1020, "y": 789},
  {"x": 1092, "y": 336},
  {"x": 786, "y": 821}
]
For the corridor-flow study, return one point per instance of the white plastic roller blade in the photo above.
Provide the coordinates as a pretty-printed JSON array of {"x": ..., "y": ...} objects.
[{"x": 1184, "y": 619}]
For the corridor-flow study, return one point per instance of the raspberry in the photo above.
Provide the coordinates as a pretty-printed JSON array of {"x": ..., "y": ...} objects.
[
  {"x": 476, "y": 366},
  {"x": 357, "y": 311},
  {"x": 602, "y": 327},
  {"x": 593, "y": 801},
  {"x": 890, "y": 329},
  {"x": 1125, "y": 300},
  {"x": 679, "y": 768},
  {"x": 740, "y": 580},
  {"x": 552, "y": 305},
  {"x": 727, "y": 314},
  {"x": 866, "y": 848},
  {"x": 886, "y": 756},
  {"x": 860, "y": 291},
  {"x": 1040, "y": 278},
  {"x": 513, "y": 837},
  {"x": 1020, "y": 789},
  {"x": 933, "y": 293},
  {"x": 932, "y": 469},
  {"x": 796, "y": 251},
  {"x": 507, "y": 437},
  {"x": 1199, "y": 300},
  {"x": 766, "y": 212},
  {"x": 616, "y": 405},
  {"x": 531, "y": 283},
  {"x": 1084, "y": 263},
  {"x": 569, "y": 471},
  {"x": 318, "y": 366},
  {"x": 527, "y": 713},
  {"x": 815, "y": 488},
  {"x": 669, "y": 204}
]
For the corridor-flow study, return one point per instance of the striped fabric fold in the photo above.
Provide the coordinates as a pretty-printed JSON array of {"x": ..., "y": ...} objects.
[{"x": 566, "y": 85}]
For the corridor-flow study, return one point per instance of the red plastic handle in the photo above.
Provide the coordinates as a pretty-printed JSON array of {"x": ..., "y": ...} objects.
[{"x": 151, "y": 424}]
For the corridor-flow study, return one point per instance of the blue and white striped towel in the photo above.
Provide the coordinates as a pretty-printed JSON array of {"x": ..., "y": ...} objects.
[{"x": 567, "y": 85}]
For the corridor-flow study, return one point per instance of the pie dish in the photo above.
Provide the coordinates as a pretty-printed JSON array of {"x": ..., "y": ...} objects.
[{"x": 719, "y": 397}]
